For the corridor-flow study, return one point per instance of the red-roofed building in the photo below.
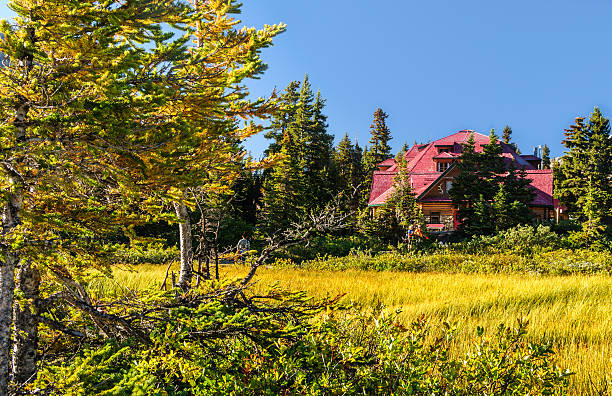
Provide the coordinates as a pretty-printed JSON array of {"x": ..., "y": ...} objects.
[{"x": 431, "y": 172}]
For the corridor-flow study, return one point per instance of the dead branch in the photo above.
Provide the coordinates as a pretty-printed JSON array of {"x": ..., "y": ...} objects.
[{"x": 328, "y": 220}]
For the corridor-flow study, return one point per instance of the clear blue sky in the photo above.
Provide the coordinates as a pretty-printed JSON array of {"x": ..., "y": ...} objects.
[{"x": 440, "y": 66}]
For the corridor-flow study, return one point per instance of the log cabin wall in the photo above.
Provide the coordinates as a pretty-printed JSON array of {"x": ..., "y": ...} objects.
[{"x": 439, "y": 213}]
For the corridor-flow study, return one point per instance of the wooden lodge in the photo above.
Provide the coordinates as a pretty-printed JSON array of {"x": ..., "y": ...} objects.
[{"x": 432, "y": 171}]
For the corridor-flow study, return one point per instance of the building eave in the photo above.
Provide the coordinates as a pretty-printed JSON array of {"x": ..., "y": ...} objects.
[{"x": 428, "y": 189}]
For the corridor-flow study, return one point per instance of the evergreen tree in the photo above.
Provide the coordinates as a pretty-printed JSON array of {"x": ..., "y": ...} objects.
[
  {"x": 583, "y": 181},
  {"x": 490, "y": 167},
  {"x": 507, "y": 138},
  {"x": 380, "y": 137},
  {"x": 466, "y": 186},
  {"x": 507, "y": 135},
  {"x": 489, "y": 197},
  {"x": 303, "y": 179},
  {"x": 318, "y": 153},
  {"x": 545, "y": 157},
  {"x": 344, "y": 157},
  {"x": 510, "y": 204},
  {"x": 106, "y": 118},
  {"x": 283, "y": 117},
  {"x": 283, "y": 190},
  {"x": 378, "y": 151},
  {"x": 401, "y": 210},
  {"x": 482, "y": 222}
]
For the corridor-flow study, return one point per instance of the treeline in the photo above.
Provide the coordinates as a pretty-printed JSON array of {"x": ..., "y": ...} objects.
[{"x": 308, "y": 173}]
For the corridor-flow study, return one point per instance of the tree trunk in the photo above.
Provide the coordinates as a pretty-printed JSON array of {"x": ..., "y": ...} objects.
[
  {"x": 186, "y": 252},
  {"x": 25, "y": 310},
  {"x": 216, "y": 261},
  {"x": 10, "y": 220}
]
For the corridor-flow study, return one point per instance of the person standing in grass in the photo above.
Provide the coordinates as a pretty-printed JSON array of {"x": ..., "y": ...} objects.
[
  {"x": 243, "y": 246},
  {"x": 409, "y": 236}
]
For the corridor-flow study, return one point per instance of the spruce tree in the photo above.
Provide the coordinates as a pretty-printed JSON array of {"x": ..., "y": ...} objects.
[
  {"x": 380, "y": 137},
  {"x": 107, "y": 118},
  {"x": 489, "y": 197},
  {"x": 507, "y": 138},
  {"x": 545, "y": 157},
  {"x": 344, "y": 155},
  {"x": 378, "y": 151},
  {"x": 490, "y": 166},
  {"x": 507, "y": 135},
  {"x": 303, "y": 180},
  {"x": 466, "y": 186},
  {"x": 583, "y": 174},
  {"x": 283, "y": 117},
  {"x": 398, "y": 213},
  {"x": 283, "y": 190}
]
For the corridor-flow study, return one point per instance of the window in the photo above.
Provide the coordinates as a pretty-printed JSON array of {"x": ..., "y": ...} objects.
[
  {"x": 444, "y": 150},
  {"x": 434, "y": 218},
  {"x": 449, "y": 185},
  {"x": 442, "y": 166}
]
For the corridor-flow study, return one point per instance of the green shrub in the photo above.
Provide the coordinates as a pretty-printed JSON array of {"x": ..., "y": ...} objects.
[
  {"x": 522, "y": 239},
  {"x": 558, "y": 262},
  {"x": 329, "y": 246},
  {"x": 148, "y": 254},
  {"x": 195, "y": 350}
]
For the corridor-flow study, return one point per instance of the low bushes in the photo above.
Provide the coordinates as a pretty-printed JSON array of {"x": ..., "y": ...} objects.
[
  {"x": 213, "y": 347},
  {"x": 562, "y": 261},
  {"x": 329, "y": 246},
  {"x": 149, "y": 254}
]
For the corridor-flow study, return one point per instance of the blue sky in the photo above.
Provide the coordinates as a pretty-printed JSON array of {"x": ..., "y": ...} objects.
[{"x": 440, "y": 66}]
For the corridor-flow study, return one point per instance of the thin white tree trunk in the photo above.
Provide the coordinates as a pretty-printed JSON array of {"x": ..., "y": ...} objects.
[
  {"x": 186, "y": 251},
  {"x": 25, "y": 339},
  {"x": 11, "y": 218},
  {"x": 8, "y": 263}
]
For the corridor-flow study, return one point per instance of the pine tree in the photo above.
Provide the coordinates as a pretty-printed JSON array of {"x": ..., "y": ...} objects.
[
  {"x": 507, "y": 135},
  {"x": 401, "y": 210},
  {"x": 545, "y": 157},
  {"x": 489, "y": 197},
  {"x": 378, "y": 151},
  {"x": 583, "y": 174},
  {"x": 344, "y": 159},
  {"x": 304, "y": 180},
  {"x": 283, "y": 190},
  {"x": 380, "y": 137},
  {"x": 319, "y": 157},
  {"x": 490, "y": 166},
  {"x": 466, "y": 185},
  {"x": 99, "y": 133},
  {"x": 507, "y": 138},
  {"x": 283, "y": 118},
  {"x": 482, "y": 222}
]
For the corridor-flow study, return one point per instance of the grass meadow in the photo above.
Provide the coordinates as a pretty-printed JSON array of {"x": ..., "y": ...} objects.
[{"x": 574, "y": 311}]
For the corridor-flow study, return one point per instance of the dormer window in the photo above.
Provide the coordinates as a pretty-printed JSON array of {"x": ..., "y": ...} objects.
[
  {"x": 442, "y": 166},
  {"x": 444, "y": 148}
]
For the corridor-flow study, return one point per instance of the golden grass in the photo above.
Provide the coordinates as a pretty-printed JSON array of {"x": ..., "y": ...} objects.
[{"x": 574, "y": 311}]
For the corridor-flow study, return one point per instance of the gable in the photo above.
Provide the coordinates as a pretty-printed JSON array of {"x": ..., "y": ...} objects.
[{"x": 438, "y": 189}]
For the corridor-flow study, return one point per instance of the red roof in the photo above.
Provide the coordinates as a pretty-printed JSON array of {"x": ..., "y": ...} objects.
[
  {"x": 381, "y": 182},
  {"x": 542, "y": 183},
  {"x": 447, "y": 155},
  {"x": 387, "y": 162},
  {"x": 529, "y": 157},
  {"x": 423, "y": 171}
]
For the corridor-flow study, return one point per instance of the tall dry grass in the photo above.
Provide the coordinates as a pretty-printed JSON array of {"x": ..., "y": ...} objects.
[{"x": 573, "y": 311}]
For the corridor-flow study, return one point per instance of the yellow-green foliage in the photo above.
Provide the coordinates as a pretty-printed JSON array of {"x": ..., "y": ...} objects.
[
  {"x": 573, "y": 311},
  {"x": 552, "y": 262}
]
